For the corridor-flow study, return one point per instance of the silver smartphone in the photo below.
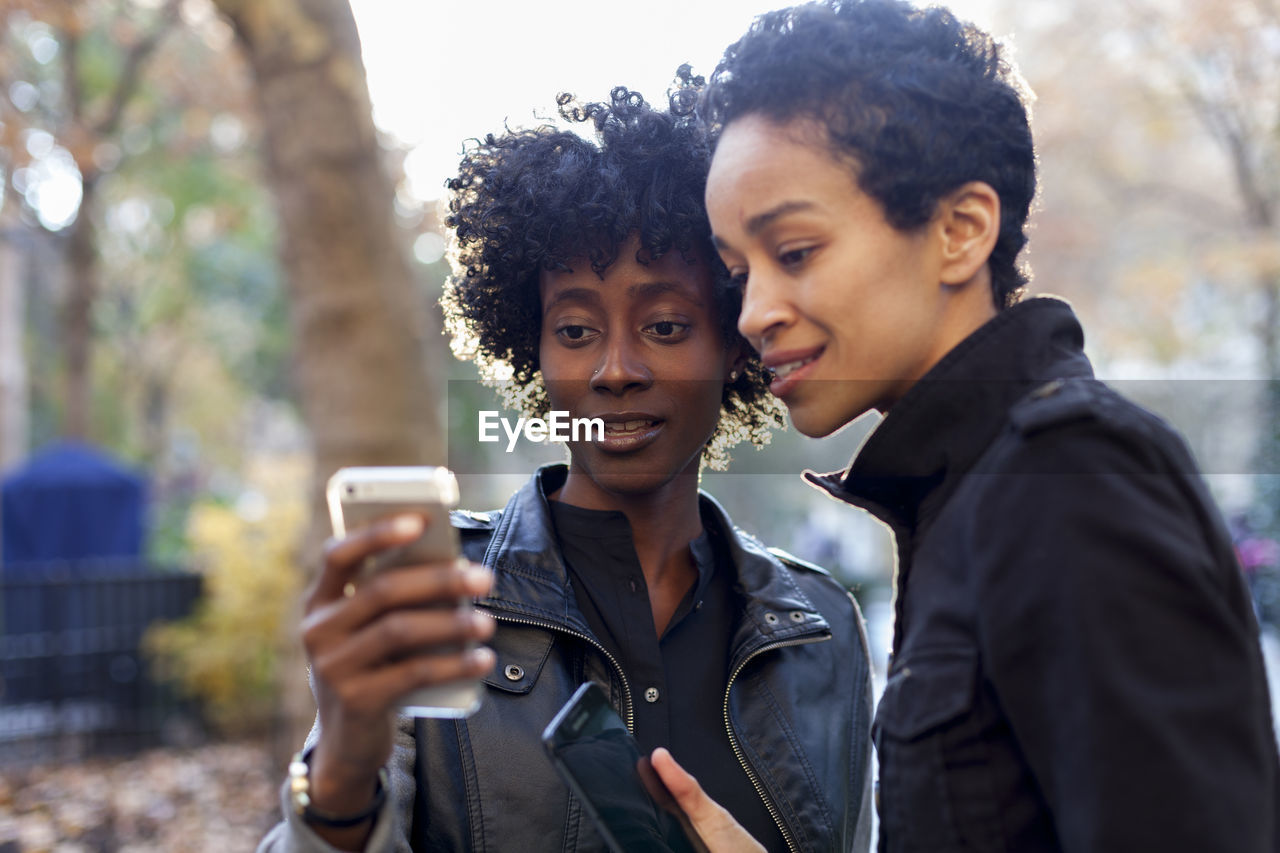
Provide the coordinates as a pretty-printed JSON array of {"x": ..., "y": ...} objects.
[{"x": 358, "y": 497}]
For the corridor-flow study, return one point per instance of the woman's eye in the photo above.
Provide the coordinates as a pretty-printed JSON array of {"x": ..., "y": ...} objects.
[
  {"x": 667, "y": 328},
  {"x": 573, "y": 333},
  {"x": 738, "y": 280},
  {"x": 794, "y": 257}
]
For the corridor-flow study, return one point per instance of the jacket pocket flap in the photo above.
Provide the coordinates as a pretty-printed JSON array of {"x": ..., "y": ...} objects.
[
  {"x": 929, "y": 689},
  {"x": 521, "y": 650}
]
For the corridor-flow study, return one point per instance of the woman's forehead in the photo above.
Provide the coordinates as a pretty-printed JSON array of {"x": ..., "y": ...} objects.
[
  {"x": 634, "y": 265},
  {"x": 634, "y": 274}
]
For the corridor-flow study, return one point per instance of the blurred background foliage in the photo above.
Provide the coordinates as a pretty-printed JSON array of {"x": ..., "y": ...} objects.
[
  {"x": 226, "y": 653},
  {"x": 184, "y": 325},
  {"x": 145, "y": 303}
]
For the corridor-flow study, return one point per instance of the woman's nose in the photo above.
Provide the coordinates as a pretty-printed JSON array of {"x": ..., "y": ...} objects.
[
  {"x": 622, "y": 368},
  {"x": 764, "y": 310}
]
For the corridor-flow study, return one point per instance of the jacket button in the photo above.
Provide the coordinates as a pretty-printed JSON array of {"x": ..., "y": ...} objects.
[
  {"x": 513, "y": 672},
  {"x": 797, "y": 616},
  {"x": 651, "y": 695},
  {"x": 771, "y": 618}
]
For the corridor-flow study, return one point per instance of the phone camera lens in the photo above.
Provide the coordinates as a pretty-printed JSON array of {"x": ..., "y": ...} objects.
[{"x": 351, "y": 490}]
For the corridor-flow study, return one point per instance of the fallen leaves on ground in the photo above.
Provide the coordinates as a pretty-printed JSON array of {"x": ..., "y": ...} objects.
[{"x": 220, "y": 797}]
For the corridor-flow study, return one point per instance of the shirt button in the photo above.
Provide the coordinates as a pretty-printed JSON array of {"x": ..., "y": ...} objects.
[
  {"x": 651, "y": 695},
  {"x": 635, "y": 587}
]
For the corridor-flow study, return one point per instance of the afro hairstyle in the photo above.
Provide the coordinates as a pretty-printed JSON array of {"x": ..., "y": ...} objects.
[{"x": 536, "y": 199}]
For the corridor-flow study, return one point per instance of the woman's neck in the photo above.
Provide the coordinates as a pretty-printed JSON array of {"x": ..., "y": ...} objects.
[{"x": 663, "y": 523}]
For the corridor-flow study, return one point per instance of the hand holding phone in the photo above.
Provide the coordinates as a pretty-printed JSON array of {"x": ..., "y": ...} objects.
[
  {"x": 360, "y": 632},
  {"x": 705, "y": 819},
  {"x": 358, "y": 497},
  {"x": 598, "y": 758}
]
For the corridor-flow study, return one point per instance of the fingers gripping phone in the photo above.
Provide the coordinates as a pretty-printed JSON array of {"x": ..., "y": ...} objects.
[
  {"x": 598, "y": 758},
  {"x": 357, "y": 497}
]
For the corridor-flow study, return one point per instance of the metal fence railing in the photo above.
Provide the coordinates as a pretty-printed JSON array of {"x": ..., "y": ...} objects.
[{"x": 72, "y": 677}]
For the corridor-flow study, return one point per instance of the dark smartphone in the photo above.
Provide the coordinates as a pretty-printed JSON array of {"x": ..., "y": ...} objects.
[{"x": 600, "y": 761}]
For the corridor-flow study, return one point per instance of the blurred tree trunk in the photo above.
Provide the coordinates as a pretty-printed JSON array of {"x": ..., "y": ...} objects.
[
  {"x": 359, "y": 362},
  {"x": 81, "y": 132},
  {"x": 358, "y": 359},
  {"x": 13, "y": 365},
  {"x": 77, "y": 318},
  {"x": 14, "y": 400}
]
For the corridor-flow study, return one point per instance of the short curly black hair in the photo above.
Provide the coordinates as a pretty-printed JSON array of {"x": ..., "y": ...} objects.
[
  {"x": 917, "y": 102},
  {"x": 530, "y": 200}
]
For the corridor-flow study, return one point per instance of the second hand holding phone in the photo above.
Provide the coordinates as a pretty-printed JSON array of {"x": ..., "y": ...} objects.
[{"x": 593, "y": 751}]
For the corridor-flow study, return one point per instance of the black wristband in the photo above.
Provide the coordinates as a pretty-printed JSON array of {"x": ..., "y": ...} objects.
[{"x": 300, "y": 794}]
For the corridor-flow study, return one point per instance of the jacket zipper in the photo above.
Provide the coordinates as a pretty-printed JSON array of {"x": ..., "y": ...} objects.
[
  {"x": 629, "y": 715},
  {"x": 733, "y": 738}
]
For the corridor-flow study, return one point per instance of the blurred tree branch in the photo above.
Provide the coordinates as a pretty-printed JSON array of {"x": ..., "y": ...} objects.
[
  {"x": 134, "y": 61},
  {"x": 81, "y": 137},
  {"x": 71, "y": 126},
  {"x": 1159, "y": 131}
]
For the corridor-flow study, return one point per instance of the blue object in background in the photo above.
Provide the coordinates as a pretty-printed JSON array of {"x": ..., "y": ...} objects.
[{"x": 71, "y": 502}]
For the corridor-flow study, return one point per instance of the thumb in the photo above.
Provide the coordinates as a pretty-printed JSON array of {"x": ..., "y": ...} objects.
[{"x": 717, "y": 828}]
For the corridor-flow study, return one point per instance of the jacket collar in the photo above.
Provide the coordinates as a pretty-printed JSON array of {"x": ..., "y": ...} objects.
[
  {"x": 531, "y": 581},
  {"x": 941, "y": 426}
]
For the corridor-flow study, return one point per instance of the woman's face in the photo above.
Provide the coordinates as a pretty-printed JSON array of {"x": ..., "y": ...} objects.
[
  {"x": 642, "y": 349},
  {"x": 842, "y": 306}
]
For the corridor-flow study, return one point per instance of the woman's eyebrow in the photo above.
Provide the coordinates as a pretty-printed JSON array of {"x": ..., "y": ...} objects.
[
  {"x": 657, "y": 288},
  {"x": 572, "y": 294},
  {"x": 764, "y": 219}
]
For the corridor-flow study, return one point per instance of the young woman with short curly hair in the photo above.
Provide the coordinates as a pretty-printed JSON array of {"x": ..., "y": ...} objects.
[{"x": 586, "y": 274}]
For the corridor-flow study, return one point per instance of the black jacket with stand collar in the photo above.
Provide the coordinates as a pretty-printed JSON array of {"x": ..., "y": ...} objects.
[{"x": 1076, "y": 662}]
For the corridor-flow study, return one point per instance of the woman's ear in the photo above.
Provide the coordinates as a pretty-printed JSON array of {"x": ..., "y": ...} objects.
[
  {"x": 735, "y": 359},
  {"x": 969, "y": 219}
]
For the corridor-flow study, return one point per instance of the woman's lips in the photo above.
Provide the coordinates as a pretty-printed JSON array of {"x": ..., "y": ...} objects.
[
  {"x": 790, "y": 368},
  {"x": 623, "y": 434}
]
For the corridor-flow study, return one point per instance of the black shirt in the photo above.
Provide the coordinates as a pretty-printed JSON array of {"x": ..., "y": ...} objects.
[{"x": 677, "y": 681}]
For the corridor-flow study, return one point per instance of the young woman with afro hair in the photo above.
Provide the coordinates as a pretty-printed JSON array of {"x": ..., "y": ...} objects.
[{"x": 586, "y": 279}]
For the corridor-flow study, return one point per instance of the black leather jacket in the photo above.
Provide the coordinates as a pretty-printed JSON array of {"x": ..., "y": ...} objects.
[{"x": 797, "y": 704}]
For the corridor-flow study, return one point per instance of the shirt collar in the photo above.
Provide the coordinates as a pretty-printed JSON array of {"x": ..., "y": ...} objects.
[
  {"x": 613, "y": 528},
  {"x": 942, "y": 425},
  {"x": 531, "y": 580}
]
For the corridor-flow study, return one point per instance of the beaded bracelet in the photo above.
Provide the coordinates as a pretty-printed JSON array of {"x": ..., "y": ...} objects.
[{"x": 300, "y": 796}]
